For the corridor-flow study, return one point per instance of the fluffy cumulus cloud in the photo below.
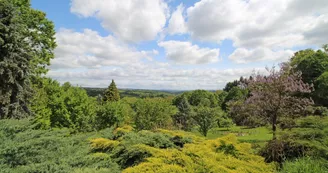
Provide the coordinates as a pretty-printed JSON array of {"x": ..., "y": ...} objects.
[
  {"x": 177, "y": 23},
  {"x": 186, "y": 53},
  {"x": 90, "y": 50},
  {"x": 242, "y": 55},
  {"x": 261, "y": 31},
  {"x": 130, "y": 20},
  {"x": 256, "y": 23}
]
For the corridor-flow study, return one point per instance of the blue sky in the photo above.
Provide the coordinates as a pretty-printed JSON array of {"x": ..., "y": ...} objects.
[{"x": 175, "y": 44}]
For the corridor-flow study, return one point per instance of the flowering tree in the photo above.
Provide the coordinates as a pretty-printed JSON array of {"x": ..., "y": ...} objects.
[{"x": 277, "y": 96}]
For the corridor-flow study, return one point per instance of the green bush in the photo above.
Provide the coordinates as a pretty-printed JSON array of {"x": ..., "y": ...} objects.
[
  {"x": 23, "y": 149},
  {"x": 309, "y": 139}
]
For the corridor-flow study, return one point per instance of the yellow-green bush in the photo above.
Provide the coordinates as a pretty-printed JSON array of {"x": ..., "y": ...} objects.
[
  {"x": 224, "y": 155},
  {"x": 120, "y": 131},
  {"x": 103, "y": 145}
]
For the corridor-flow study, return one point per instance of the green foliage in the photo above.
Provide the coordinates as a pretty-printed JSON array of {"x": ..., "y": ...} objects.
[
  {"x": 205, "y": 119},
  {"x": 305, "y": 165},
  {"x": 321, "y": 91},
  {"x": 314, "y": 67},
  {"x": 147, "y": 151},
  {"x": 27, "y": 43},
  {"x": 228, "y": 149},
  {"x": 41, "y": 36},
  {"x": 62, "y": 106},
  {"x": 308, "y": 139},
  {"x": 234, "y": 94},
  {"x": 111, "y": 94},
  {"x": 113, "y": 114},
  {"x": 203, "y": 156},
  {"x": 15, "y": 63},
  {"x": 183, "y": 119},
  {"x": 28, "y": 150},
  {"x": 153, "y": 113},
  {"x": 203, "y": 98},
  {"x": 311, "y": 63},
  {"x": 223, "y": 120},
  {"x": 231, "y": 85},
  {"x": 221, "y": 95},
  {"x": 24, "y": 150}
]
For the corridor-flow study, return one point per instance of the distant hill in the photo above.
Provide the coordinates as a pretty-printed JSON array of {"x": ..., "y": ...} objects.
[{"x": 140, "y": 93}]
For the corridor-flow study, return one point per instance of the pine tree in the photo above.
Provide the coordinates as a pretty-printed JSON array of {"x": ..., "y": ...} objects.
[
  {"x": 111, "y": 94},
  {"x": 15, "y": 63},
  {"x": 183, "y": 118}
]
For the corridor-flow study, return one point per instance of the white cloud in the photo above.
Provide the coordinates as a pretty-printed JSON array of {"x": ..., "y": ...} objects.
[
  {"x": 214, "y": 19},
  {"x": 257, "y": 23},
  {"x": 319, "y": 32},
  {"x": 186, "y": 53},
  {"x": 130, "y": 20},
  {"x": 89, "y": 49},
  {"x": 242, "y": 55},
  {"x": 265, "y": 31},
  {"x": 177, "y": 22},
  {"x": 155, "y": 76}
]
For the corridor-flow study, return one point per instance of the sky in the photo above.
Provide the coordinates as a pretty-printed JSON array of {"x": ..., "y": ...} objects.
[{"x": 178, "y": 44}]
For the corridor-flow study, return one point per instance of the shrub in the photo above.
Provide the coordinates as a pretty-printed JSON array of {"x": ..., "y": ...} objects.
[
  {"x": 202, "y": 157},
  {"x": 309, "y": 139},
  {"x": 24, "y": 149}
]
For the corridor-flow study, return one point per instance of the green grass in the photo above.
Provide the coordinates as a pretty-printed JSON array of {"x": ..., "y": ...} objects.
[
  {"x": 256, "y": 136},
  {"x": 305, "y": 165},
  {"x": 244, "y": 134}
]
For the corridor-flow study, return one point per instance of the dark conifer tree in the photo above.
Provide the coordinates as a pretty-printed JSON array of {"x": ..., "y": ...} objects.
[
  {"x": 15, "y": 63},
  {"x": 111, "y": 93}
]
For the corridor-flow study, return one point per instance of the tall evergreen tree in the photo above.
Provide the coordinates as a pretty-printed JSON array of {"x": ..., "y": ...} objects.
[
  {"x": 15, "y": 63},
  {"x": 111, "y": 93},
  {"x": 27, "y": 44},
  {"x": 183, "y": 119}
]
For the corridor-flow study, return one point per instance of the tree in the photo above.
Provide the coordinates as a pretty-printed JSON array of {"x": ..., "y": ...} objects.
[
  {"x": 325, "y": 48},
  {"x": 205, "y": 119},
  {"x": 15, "y": 63},
  {"x": 183, "y": 118},
  {"x": 312, "y": 64},
  {"x": 112, "y": 114},
  {"x": 62, "y": 106},
  {"x": 234, "y": 94},
  {"x": 221, "y": 95},
  {"x": 27, "y": 43},
  {"x": 153, "y": 113},
  {"x": 202, "y": 97},
  {"x": 321, "y": 91},
  {"x": 41, "y": 36},
  {"x": 223, "y": 120},
  {"x": 111, "y": 94},
  {"x": 230, "y": 85},
  {"x": 276, "y": 97}
]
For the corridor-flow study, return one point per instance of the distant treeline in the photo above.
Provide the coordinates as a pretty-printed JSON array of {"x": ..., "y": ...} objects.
[{"x": 139, "y": 93}]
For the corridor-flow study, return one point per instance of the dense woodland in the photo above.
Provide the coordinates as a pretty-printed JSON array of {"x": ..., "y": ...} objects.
[{"x": 272, "y": 122}]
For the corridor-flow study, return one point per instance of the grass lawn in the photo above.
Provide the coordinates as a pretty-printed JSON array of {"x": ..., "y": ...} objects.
[
  {"x": 256, "y": 136},
  {"x": 244, "y": 134}
]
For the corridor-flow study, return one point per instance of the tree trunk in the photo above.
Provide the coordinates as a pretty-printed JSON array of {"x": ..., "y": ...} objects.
[{"x": 274, "y": 127}]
